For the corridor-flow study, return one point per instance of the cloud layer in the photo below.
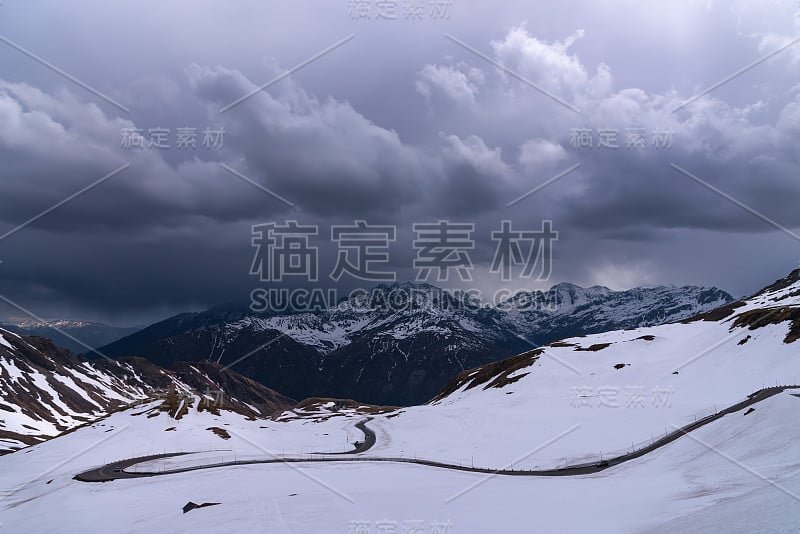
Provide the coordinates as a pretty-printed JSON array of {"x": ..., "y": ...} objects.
[{"x": 414, "y": 137}]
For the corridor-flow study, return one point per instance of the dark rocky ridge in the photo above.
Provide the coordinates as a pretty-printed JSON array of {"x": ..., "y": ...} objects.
[{"x": 381, "y": 349}]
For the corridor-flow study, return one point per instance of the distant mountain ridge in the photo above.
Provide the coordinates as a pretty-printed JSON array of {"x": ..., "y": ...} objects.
[
  {"x": 580, "y": 311},
  {"x": 89, "y": 333},
  {"x": 398, "y": 344}
]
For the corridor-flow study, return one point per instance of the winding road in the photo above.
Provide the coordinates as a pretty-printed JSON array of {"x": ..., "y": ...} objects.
[
  {"x": 117, "y": 470},
  {"x": 360, "y": 446}
]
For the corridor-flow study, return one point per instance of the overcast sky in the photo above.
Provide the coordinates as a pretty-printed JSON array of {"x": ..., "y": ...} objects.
[{"x": 397, "y": 125}]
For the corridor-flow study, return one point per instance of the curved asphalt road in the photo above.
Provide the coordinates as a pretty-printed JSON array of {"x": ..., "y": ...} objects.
[
  {"x": 361, "y": 446},
  {"x": 116, "y": 470}
]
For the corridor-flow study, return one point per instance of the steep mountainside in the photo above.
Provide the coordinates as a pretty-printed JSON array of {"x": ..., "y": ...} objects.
[
  {"x": 399, "y": 344},
  {"x": 46, "y": 390}
]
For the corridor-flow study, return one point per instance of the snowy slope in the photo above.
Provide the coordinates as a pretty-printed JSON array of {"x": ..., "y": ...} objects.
[
  {"x": 45, "y": 390},
  {"x": 739, "y": 473},
  {"x": 680, "y": 487},
  {"x": 605, "y": 394}
]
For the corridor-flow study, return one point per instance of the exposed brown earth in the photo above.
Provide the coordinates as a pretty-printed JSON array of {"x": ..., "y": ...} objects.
[
  {"x": 221, "y": 432},
  {"x": 594, "y": 348},
  {"x": 755, "y": 319},
  {"x": 494, "y": 375},
  {"x": 717, "y": 314}
]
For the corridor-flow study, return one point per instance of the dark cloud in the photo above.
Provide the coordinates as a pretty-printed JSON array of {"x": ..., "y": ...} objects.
[{"x": 401, "y": 125}]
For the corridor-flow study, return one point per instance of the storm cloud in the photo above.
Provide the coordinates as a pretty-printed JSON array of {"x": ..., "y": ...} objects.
[{"x": 407, "y": 121}]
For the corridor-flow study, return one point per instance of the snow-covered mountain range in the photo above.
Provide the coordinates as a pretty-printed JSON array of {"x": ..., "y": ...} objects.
[
  {"x": 580, "y": 401},
  {"x": 399, "y": 344}
]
